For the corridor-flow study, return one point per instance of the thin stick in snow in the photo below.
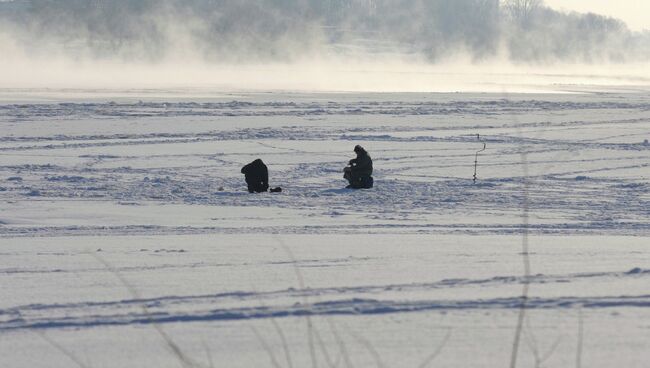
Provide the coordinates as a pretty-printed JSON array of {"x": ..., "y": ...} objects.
[
  {"x": 478, "y": 136},
  {"x": 435, "y": 354},
  {"x": 580, "y": 338},
  {"x": 265, "y": 345},
  {"x": 63, "y": 350},
  {"x": 173, "y": 347},
  {"x": 525, "y": 213}
]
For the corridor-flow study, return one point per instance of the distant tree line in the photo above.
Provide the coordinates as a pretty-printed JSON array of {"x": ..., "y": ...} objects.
[{"x": 263, "y": 30}]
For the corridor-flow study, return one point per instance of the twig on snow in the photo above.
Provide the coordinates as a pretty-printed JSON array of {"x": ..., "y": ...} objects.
[
  {"x": 534, "y": 346},
  {"x": 208, "y": 354},
  {"x": 173, "y": 347},
  {"x": 437, "y": 352},
  {"x": 326, "y": 354},
  {"x": 266, "y": 347},
  {"x": 371, "y": 349},
  {"x": 311, "y": 331},
  {"x": 580, "y": 338},
  {"x": 278, "y": 330},
  {"x": 525, "y": 214},
  {"x": 62, "y": 349},
  {"x": 283, "y": 339}
]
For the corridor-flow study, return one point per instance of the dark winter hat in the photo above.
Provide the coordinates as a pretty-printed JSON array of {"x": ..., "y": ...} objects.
[{"x": 358, "y": 148}]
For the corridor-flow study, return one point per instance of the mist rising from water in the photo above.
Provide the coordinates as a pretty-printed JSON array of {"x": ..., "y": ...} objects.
[{"x": 334, "y": 45}]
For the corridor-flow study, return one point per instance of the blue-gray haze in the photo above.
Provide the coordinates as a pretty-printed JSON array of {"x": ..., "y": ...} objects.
[{"x": 284, "y": 30}]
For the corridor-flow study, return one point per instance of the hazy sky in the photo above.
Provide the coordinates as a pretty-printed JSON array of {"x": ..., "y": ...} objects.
[{"x": 636, "y": 13}]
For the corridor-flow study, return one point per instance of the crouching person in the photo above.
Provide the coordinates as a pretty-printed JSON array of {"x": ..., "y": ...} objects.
[
  {"x": 257, "y": 176},
  {"x": 359, "y": 171}
]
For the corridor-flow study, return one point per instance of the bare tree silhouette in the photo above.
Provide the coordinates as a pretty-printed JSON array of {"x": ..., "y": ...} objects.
[{"x": 522, "y": 11}]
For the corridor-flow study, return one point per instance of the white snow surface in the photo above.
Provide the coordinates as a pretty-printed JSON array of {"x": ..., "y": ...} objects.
[{"x": 127, "y": 237}]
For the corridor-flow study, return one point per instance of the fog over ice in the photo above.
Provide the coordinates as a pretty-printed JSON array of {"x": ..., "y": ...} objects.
[{"x": 306, "y": 44}]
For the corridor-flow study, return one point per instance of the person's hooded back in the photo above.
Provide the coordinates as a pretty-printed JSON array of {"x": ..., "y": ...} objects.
[
  {"x": 362, "y": 165},
  {"x": 257, "y": 176}
]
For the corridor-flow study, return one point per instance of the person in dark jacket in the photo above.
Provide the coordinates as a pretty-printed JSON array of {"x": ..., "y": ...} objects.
[
  {"x": 257, "y": 176},
  {"x": 359, "y": 171}
]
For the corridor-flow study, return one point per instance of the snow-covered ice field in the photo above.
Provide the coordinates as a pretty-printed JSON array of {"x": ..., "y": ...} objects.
[{"x": 126, "y": 231}]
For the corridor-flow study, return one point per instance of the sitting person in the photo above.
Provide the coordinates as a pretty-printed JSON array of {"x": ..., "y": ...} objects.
[
  {"x": 257, "y": 176},
  {"x": 359, "y": 171}
]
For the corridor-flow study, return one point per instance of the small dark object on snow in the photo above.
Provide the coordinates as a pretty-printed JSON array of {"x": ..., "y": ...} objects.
[
  {"x": 257, "y": 176},
  {"x": 276, "y": 190},
  {"x": 359, "y": 170},
  {"x": 478, "y": 136}
]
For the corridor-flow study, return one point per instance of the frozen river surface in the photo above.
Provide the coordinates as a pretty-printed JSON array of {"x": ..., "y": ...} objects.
[{"x": 127, "y": 237}]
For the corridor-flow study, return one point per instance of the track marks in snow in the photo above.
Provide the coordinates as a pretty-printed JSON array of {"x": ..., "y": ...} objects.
[
  {"x": 19, "y": 112},
  {"x": 360, "y": 300},
  {"x": 351, "y": 307},
  {"x": 423, "y": 153}
]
